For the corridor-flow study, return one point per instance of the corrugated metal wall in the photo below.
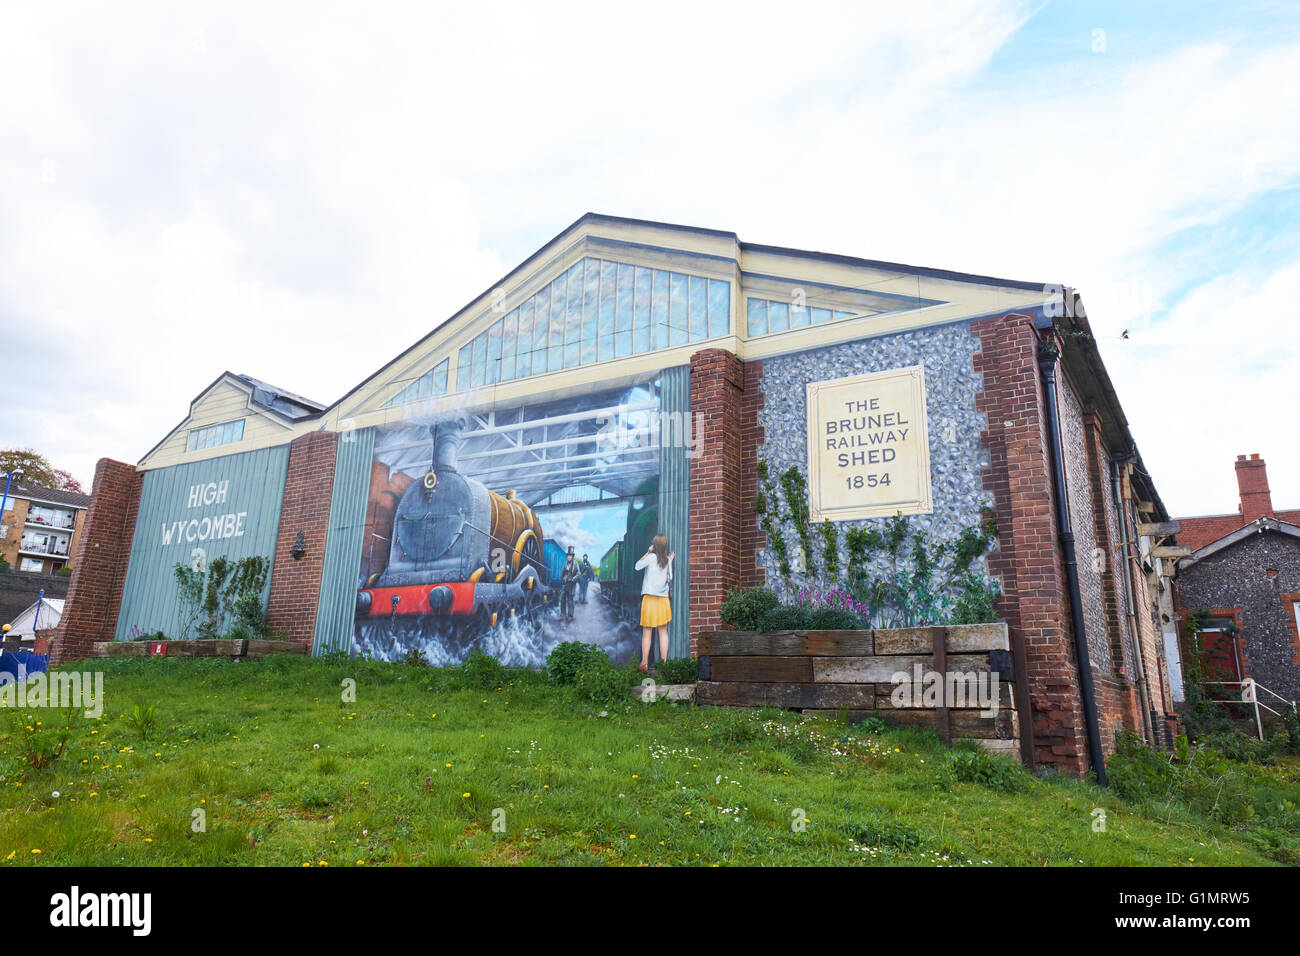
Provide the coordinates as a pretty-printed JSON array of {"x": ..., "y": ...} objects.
[
  {"x": 674, "y": 503},
  {"x": 169, "y": 529},
  {"x": 339, "y": 577}
]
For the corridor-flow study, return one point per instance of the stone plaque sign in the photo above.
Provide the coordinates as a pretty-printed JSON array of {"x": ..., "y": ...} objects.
[{"x": 868, "y": 447}]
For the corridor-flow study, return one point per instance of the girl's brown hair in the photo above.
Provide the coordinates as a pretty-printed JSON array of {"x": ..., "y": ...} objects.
[{"x": 660, "y": 547}]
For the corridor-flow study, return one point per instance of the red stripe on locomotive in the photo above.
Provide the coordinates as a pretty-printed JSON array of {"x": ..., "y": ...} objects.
[{"x": 415, "y": 599}]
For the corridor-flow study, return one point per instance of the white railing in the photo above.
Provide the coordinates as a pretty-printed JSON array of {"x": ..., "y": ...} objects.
[{"x": 1250, "y": 695}]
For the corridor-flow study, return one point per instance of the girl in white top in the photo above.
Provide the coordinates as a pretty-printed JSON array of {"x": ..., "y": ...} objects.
[{"x": 656, "y": 610}]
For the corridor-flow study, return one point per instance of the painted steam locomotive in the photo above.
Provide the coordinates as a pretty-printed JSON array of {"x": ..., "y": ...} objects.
[{"x": 461, "y": 559}]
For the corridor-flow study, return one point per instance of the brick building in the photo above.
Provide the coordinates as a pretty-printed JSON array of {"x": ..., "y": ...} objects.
[
  {"x": 40, "y": 527},
  {"x": 1244, "y": 576},
  {"x": 631, "y": 378}
]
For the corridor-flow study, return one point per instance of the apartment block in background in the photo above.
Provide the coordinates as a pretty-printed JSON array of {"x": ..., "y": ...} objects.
[{"x": 40, "y": 527}]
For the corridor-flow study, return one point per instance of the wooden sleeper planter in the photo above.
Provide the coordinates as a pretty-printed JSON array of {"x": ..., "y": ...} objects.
[
  {"x": 861, "y": 671},
  {"x": 237, "y": 649}
]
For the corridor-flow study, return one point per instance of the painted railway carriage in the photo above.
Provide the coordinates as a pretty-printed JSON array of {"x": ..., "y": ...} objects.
[{"x": 633, "y": 378}]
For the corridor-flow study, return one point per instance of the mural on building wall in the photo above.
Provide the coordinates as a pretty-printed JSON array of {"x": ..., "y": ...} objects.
[{"x": 510, "y": 529}]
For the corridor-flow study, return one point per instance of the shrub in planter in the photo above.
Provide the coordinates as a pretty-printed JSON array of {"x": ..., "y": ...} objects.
[
  {"x": 977, "y": 600},
  {"x": 785, "y": 618},
  {"x": 744, "y": 608},
  {"x": 833, "y": 619},
  {"x": 569, "y": 657}
]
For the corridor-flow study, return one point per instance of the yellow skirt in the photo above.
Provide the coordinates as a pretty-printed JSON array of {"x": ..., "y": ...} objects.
[{"x": 655, "y": 611}]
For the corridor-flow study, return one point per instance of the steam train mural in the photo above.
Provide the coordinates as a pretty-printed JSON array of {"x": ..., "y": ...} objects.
[
  {"x": 471, "y": 519},
  {"x": 461, "y": 559}
]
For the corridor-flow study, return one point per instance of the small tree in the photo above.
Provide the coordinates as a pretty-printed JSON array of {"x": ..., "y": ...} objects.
[{"x": 37, "y": 470}]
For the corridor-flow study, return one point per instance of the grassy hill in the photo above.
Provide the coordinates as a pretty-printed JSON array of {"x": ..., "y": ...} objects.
[{"x": 485, "y": 766}]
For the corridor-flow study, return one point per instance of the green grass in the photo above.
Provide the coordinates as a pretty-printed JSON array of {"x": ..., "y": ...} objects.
[{"x": 417, "y": 768}]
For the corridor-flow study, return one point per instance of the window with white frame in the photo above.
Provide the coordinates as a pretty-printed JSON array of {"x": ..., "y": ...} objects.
[{"x": 210, "y": 436}]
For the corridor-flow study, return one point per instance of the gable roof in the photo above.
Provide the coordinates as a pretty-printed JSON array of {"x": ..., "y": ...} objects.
[
  {"x": 53, "y": 496},
  {"x": 51, "y": 613},
  {"x": 1200, "y": 530},
  {"x": 277, "y": 404},
  {"x": 280, "y": 401},
  {"x": 602, "y": 236},
  {"x": 1258, "y": 526}
]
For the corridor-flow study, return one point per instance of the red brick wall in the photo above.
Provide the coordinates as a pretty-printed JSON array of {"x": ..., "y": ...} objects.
[
  {"x": 1035, "y": 596},
  {"x": 718, "y": 509},
  {"x": 725, "y": 537},
  {"x": 308, "y": 488},
  {"x": 99, "y": 562}
]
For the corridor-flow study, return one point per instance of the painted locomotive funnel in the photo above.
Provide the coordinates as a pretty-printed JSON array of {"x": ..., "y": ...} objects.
[{"x": 447, "y": 440}]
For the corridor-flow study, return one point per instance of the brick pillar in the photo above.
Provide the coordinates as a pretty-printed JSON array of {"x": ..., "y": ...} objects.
[
  {"x": 99, "y": 562},
  {"x": 717, "y": 508},
  {"x": 1028, "y": 560},
  {"x": 308, "y": 490}
]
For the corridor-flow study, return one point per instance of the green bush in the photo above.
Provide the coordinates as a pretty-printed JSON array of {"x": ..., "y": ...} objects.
[
  {"x": 143, "y": 720},
  {"x": 1208, "y": 783},
  {"x": 1138, "y": 773},
  {"x": 414, "y": 658},
  {"x": 785, "y": 618},
  {"x": 872, "y": 725},
  {"x": 1292, "y": 718},
  {"x": 36, "y": 740},
  {"x": 600, "y": 682},
  {"x": 1244, "y": 749},
  {"x": 482, "y": 671},
  {"x": 678, "y": 670},
  {"x": 833, "y": 619},
  {"x": 566, "y": 659},
  {"x": 977, "y": 600},
  {"x": 743, "y": 608},
  {"x": 977, "y": 765}
]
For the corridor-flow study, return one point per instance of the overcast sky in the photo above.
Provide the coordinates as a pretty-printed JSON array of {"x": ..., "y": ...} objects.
[{"x": 300, "y": 191}]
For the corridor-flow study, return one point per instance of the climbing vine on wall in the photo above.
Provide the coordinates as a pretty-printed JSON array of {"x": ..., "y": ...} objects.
[
  {"x": 898, "y": 575},
  {"x": 830, "y": 548},
  {"x": 796, "y": 499},
  {"x": 768, "y": 506}
]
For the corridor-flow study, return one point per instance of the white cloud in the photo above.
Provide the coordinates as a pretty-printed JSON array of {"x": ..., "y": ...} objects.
[{"x": 299, "y": 192}]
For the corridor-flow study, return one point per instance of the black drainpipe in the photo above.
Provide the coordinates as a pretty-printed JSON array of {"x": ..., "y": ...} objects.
[{"x": 1047, "y": 356}]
